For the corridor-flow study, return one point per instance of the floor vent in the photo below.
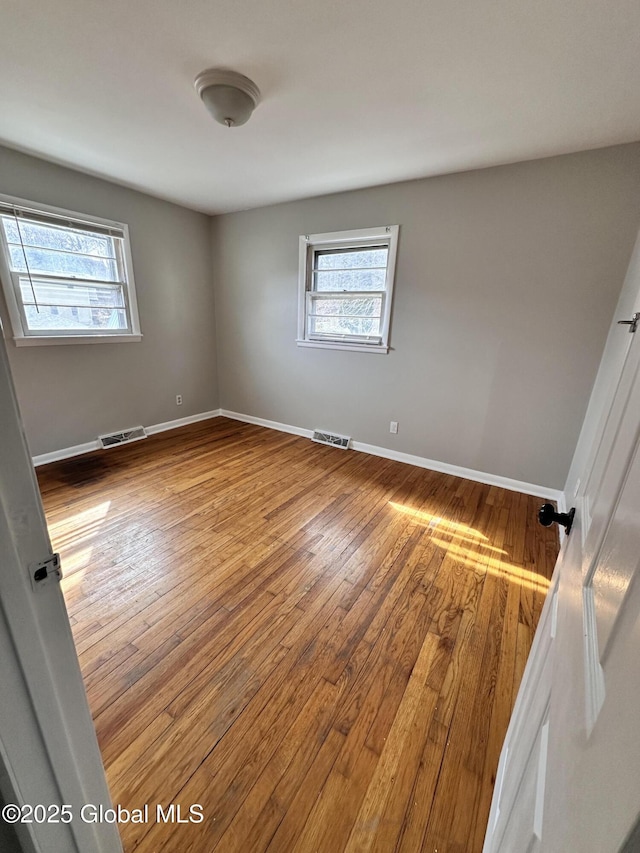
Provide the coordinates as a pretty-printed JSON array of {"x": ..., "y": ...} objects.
[
  {"x": 124, "y": 437},
  {"x": 331, "y": 439}
]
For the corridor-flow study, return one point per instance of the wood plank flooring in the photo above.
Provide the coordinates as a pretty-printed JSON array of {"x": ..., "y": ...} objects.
[{"x": 321, "y": 648}]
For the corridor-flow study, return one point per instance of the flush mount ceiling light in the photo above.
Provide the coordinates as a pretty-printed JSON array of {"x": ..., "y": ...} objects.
[{"x": 230, "y": 97}]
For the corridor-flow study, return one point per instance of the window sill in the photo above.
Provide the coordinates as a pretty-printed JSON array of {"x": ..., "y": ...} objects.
[
  {"x": 379, "y": 349},
  {"x": 56, "y": 340}
]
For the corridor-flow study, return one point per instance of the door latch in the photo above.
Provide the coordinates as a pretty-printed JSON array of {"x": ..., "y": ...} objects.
[
  {"x": 632, "y": 324},
  {"x": 45, "y": 571}
]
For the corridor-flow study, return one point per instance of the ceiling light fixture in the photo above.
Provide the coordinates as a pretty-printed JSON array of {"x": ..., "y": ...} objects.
[{"x": 230, "y": 97}]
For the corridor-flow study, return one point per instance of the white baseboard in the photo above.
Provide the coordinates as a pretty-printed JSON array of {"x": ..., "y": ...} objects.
[
  {"x": 65, "y": 453},
  {"x": 459, "y": 471},
  {"x": 249, "y": 419},
  {"x": 419, "y": 461},
  {"x": 374, "y": 450},
  {"x": 191, "y": 419},
  {"x": 87, "y": 447}
]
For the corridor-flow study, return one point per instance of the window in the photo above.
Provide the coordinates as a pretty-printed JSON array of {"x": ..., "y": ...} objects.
[
  {"x": 345, "y": 289},
  {"x": 67, "y": 278}
]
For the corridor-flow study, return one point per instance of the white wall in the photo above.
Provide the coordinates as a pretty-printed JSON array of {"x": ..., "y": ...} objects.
[
  {"x": 505, "y": 286},
  {"x": 71, "y": 394}
]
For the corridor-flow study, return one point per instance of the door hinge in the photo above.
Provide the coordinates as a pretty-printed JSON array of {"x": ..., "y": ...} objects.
[
  {"x": 632, "y": 324},
  {"x": 45, "y": 571}
]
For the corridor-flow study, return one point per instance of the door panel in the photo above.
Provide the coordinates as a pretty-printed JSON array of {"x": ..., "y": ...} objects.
[
  {"x": 517, "y": 807},
  {"x": 524, "y": 828},
  {"x": 613, "y": 457},
  {"x": 617, "y": 564},
  {"x": 576, "y": 718}
]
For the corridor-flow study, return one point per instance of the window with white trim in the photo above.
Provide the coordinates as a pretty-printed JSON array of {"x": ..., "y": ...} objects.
[
  {"x": 66, "y": 277},
  {"x": 346, "y": 288}
]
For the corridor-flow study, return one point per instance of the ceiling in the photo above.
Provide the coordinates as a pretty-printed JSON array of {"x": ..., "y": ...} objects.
[{"x": 355, "y": 92}]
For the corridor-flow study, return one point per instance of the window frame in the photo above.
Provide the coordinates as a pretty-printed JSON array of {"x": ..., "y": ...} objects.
[
  {"x": 10, "y": 281},
  {"x": 362, "y": 238}
]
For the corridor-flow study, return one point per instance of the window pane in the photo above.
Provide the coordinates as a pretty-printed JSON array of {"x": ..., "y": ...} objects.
[
  {"x": 366, "y": 306},
  {"x": 66, "y": 251},
  {"x": 68, "y": 275},
  {"x": 332, "y": 259},
  {"x": 76, "y": 295},
  {"x": 43, "y": 261},
  {"x": 74, "y": 320},
  {"x": 346, "y": 316},
  {"x": 52, "y": 237},
  {"x": 345, "y": 280},
  {"x": 341, "y": 326}
]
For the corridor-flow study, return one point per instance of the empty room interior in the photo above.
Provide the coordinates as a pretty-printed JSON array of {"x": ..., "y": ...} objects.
[{"x": 261, "y": 590}]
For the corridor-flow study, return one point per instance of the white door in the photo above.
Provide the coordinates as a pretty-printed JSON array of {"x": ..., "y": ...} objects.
[
  {"x": 569, "y": 774},
  {"x": 48, "y": 747}
]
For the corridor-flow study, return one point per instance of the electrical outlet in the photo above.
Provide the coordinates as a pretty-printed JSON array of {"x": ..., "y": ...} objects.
[
  {"x": 178, "y": 399},
  {"x": 393, "y": 426}
]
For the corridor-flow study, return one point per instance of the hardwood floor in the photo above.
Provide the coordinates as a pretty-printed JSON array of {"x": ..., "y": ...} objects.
[{"x": 321, "y": 648}]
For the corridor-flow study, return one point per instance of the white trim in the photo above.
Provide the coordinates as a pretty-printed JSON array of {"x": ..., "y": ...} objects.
[
  {"x": 36, "y": 206},
  {"x": 378, "y": 348},
  {"x": 33, "y": 341},
  {"x": 131, "y": 297},
  {"x": 359, "y": 446},
  {"x": 561, "y": 505},
  {"x": 65, "y": 453},
  {"x": 307, "y": 244},
  {"x": 190, "y": 419},
  {"x": 250, "y": 419},
  {"x": 458, "y": 471},
  {"x": 338, "y": 238},
  {"x": 89, "y": 446},
  {"x": 6, "y": 280},
  {"x": 419, "y": 461}
]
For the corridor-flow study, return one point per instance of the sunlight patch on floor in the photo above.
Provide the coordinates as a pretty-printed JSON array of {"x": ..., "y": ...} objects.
[
  {"x": 71, "y": 577},
  {"x": 435, "y": 522},
  {"x": 472, "y": 548},
  {"x": 72, "y": 536},
  {"x": 75, "y": 561},
  {"x": 81, "y": 526},
  {"x": 499, "y": 568}
]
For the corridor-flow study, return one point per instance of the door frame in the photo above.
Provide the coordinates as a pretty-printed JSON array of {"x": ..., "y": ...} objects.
[{"x": 48, "y": 743}]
